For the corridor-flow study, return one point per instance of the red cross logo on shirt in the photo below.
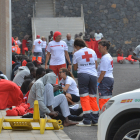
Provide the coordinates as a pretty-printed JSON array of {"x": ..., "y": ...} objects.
[
  {"x": 39, "y": 42},
  {"x": 87, "y": 56}
]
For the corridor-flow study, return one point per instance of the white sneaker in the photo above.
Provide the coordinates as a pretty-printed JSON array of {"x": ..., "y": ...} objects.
[
  {"x": 82, "y": 124},
  {"x": 76, "y": 106}
]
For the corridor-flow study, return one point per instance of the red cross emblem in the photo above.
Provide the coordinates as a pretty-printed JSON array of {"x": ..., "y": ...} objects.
[
  {"x": 39, "y": 42},
  {"x": 87, "y": 56}
]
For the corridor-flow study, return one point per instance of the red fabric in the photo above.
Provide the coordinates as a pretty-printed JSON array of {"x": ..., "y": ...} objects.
[
  {"x": 25, "y": 49},
  {"x": 129, "y": 58},
  {"x": 93, "y": 44},
  {"x": 26, "y": 96},
  {"x": 15, "y": 42},
  {"x": 38, "y": 36},
  {"x": 20, "y": 110},
  {"x": 99, "y": 55},
  {"x": 11, "y": 112},
  {"x": 12, "y": 40},
  {"x": 24, "y": 46},
  {"x": 24, "y": 62},
  {"x": 120, "y": 57},
  {"x": 57, "y": 33},
  {"x": 13, "y": 62},
  {"x": 56, "y": 69},
  {"x": 10, "y": 94},
  {"x": 88, "y": 44},
  {"x": 37, "y": 62}
]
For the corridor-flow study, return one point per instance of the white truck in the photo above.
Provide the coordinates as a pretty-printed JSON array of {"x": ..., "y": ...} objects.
[{"x": 120, "y": 117}]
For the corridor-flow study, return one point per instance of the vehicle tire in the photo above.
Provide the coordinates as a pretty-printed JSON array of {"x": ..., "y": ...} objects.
[{"x": 129, "y": 130}]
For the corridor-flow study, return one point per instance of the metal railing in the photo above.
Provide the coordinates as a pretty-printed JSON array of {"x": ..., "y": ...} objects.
[
  {"x": 82, "y": 17},
  {"x": 54, "y": 7}
]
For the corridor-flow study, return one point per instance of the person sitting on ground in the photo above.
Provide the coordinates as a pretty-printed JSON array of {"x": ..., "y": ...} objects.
[
  {"x": 130, "y": 56},
  {"x": 22, "y": 72},
  {"x": 27, "y": 84},
  {"x": 32, "y": 74},
  {"x": 37, "y": 64},
  {"x": 120, "y": 58},
  {"x": 2, "y": 76},
  {"x": 42, "y": 90},
  {"x": 70, "y": 87},
  {"x": 10, "y": 94}
]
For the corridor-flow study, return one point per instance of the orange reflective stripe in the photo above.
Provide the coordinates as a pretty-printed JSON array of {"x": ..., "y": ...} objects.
[
  {"x": 93, "y": 103},
  {"x": 18, "y": 51},
  {"x": 39, "y": 58},
  {"x": 33, "y": 58},
  {"x": 102, "y": 102},
  {"x": 85, "y": 103},
  {"x": 56, "y": 81}
]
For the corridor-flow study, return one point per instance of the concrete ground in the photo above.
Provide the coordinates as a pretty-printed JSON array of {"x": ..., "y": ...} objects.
[
  {"x": 126, "y": 78},
  {"x": 30, "y": 135}
]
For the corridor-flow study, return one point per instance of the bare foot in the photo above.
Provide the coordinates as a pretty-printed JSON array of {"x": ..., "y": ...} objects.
[
  {"x": 132, "y": 62},
  {"x": 69, "y": 123}
]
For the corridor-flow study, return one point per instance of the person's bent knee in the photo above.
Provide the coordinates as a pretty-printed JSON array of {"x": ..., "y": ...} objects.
[{"x": 62, "y": 96}]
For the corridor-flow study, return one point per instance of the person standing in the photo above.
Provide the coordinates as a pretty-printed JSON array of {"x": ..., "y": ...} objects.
[
  {"x": 70, "y": 43},
  {"x": 105, "y": 74},
  {"x": 98, "y": 36},
  {"x": 44, "y": 44},
  {"x": 51, "y": 36},
  {"x": 85, "y": 62},
  {"x": 58, "y": 50},
  {"x": 37, "y": 47}
]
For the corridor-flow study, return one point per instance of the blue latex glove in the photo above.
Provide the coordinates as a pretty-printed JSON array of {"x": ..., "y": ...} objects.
[{"x": 98, "y": 84}]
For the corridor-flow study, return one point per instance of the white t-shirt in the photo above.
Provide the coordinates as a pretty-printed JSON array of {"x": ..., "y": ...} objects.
[
  {"x": 38, "y": 45},
  {"x": 44, "y": 44},
  {"x": 57, "y": 50},
  {"x": 73, "y": 89},
  {"x": 85, "y": 58},
  {"x": 98, "y": 36},
  {"x": 106, "y": 64},
  {"x": 137, "y": 51}
]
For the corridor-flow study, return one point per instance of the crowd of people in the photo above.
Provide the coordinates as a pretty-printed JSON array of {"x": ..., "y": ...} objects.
[{"x": 59, "y": 97}]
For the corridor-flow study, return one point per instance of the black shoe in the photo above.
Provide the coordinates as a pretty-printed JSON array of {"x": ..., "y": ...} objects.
[
  {"x": 76, "y": 112},
  {"x": 28, "y": 115},
  {"x": 75, "y": 118}
]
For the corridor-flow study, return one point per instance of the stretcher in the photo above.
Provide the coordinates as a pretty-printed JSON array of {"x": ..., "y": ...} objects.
[{"x": 25, "y": 124}]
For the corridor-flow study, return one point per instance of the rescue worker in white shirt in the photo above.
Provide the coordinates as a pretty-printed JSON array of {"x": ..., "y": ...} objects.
[
  {"x": 85, "y": 62},
  {"x": 44, "y": 45},
  {"x": 98, "y": 35},
  {"x": 105, "y": 73},
  {"x": 37, "y": 47},
  {"x": 58, "y": 50},
  {"x": 70, "y": 87}
]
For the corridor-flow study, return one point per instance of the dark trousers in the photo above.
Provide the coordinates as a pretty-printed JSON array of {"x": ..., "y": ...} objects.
[
  {"x": 71, "y": 56},
  {"x": 43, "y": 55}
]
